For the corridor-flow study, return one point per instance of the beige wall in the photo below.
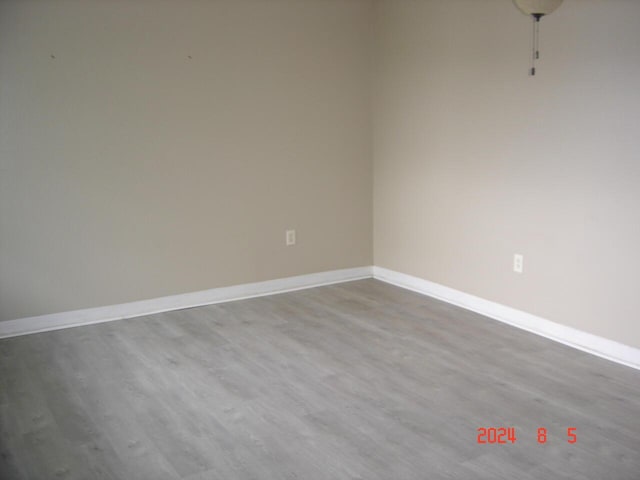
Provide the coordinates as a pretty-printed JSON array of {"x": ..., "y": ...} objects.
[
  {"x": 475, "y": 161},
  {"x": 129, "y": 171}
]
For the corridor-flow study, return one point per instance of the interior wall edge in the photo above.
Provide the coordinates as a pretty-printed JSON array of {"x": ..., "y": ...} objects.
[{"x": 587, "y": 342}]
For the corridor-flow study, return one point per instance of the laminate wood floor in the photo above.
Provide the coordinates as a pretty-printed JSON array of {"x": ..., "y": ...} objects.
[{"x": 360, "y": 380}]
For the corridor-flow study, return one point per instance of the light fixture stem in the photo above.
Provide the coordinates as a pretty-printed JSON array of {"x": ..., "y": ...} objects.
[
  {"x": 535, "y": 51},
  {"x": 533, "y": 47},
  {"x": 537, "y": 38}
]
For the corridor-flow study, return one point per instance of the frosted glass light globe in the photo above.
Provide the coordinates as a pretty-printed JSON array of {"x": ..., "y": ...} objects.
[{"x": 537, "y": 7}]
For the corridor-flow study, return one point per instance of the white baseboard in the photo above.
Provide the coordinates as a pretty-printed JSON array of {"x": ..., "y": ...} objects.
[
  {"x": 76, "y": 318},
  {"x": 572, "y": 337}
]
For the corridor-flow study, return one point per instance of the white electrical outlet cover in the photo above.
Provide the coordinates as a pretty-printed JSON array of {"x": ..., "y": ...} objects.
[
  {"x": 290, "y": 237},
  {"x": 518, "y": 263}
]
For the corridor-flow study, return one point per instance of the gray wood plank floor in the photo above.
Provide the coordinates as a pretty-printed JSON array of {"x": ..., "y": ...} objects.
[{"x": 360, "y": 380}]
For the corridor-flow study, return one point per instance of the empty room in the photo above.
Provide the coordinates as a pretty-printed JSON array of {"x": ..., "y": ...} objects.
[{"x": 319, "y": 239}]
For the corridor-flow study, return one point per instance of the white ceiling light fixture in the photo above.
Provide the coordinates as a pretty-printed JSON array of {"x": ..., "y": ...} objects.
[{"x": 537, "y": 9}]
